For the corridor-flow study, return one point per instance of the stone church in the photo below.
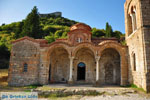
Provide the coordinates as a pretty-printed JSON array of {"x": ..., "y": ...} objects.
[{"x": 83, "y": 59}]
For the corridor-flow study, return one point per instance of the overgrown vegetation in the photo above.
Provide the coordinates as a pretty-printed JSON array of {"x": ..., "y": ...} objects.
[
  {"x": 49, "y": 28},
  {"x": 63, "y": 93},
  {"x": 134, "y": 87}
]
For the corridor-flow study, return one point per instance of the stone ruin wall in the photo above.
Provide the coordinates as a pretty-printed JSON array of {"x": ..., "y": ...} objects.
[{"x": 24, "y": 52}]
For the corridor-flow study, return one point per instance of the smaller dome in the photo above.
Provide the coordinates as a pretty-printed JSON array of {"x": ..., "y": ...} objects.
[{"x": 80, "y": 26}]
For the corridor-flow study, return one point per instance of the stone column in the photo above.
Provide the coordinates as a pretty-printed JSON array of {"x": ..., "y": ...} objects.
[
  {"x": 97, "y": 70},
  {"x": 70, "y": 81}
]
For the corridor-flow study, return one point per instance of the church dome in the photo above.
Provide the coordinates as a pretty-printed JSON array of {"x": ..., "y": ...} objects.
[{"x": 80, "y": 26}]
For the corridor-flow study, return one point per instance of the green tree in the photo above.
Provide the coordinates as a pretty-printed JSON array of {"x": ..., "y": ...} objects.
[
  {"x": 50, "y": 38},
  {"x": 117, "y": 34},
  {"x": 32, "y": 26},
  {"x": 58, "y": 34},
  {"x": 18, "y": 29},
  {"x": 109, "y": 30},
  {"x": 98, "y": 32},
  {"x": 5, "y": 47}
]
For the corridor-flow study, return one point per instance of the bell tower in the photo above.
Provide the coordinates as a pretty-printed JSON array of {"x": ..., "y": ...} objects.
[{"x": 137, "y": 23}]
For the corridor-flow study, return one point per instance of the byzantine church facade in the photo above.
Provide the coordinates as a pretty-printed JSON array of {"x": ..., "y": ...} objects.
[{"x": 83, "y": 59}]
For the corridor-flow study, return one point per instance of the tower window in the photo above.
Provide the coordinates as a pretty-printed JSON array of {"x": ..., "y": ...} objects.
[
  {"x": 132, "y": 21},
  {"x": 25, "y": 69},
  {"x": 79, "y": 40},
  {"x": 134, "y": 62}
]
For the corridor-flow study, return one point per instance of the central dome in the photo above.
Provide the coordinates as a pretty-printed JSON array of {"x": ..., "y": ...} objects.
[{"x": 80, "y": 26}]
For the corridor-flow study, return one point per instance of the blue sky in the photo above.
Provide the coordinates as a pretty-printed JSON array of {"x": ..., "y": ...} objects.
[{"x": 92, "y": 12}]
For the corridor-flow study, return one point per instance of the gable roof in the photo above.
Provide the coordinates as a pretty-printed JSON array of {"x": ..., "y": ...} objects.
[{"x": 26, "y": 38}]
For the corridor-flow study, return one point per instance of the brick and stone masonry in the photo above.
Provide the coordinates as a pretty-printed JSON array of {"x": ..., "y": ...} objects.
[
  {"x": 83, "y": 59},
  {"x": 79, "y": 58}
]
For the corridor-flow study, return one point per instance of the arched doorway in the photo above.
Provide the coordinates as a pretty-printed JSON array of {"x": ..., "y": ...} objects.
[
  {"x": 81, "y": 69},
  {"x": 110, "y": 69}
]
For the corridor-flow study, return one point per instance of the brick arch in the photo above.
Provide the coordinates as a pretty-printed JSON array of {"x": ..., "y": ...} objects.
[
  {"x": 123, "y": 58},
  {"x": 58, "y": 45},
  {"x": 48, "y": 55},
  {"x": 114, "y": 45},
  {"x": 90, "y": 46}
]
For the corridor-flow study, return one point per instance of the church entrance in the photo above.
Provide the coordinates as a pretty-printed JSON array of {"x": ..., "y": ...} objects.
[
  {"x": 81, "y": 71},
  {"x": 84, "y": 66}
]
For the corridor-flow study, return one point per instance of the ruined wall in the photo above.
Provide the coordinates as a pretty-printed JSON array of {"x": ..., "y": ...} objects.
[
  {"x": 110, "y": 67},
  {"x": 138, "y": 41},
  {"x": 145, "y": 13},
  {"x": 24, "y": 52}
]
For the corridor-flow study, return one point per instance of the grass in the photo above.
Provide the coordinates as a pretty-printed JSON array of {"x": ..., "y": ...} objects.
[
  {"x": 66, "y": 95},
  {"x": 134, "y": 87}
]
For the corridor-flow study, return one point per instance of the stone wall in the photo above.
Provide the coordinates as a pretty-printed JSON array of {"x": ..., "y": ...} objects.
[
  {"x": 145, "y": 13},
  {"x": 138, "y": 41},
  {"x": 55, "y": 14},
  {"x": 110, "y": 67},
  {"x": 24, "y": 52}
]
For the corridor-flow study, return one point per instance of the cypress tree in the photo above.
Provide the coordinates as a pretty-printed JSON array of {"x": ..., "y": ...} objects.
[
  {"x": 109, "y": 30},
  {"x": 32, "y": 26}
]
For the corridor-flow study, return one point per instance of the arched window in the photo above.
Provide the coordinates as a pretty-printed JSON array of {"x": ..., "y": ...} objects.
[
  {"x": 133, "y": 18},
  {"x": 25, "y": 69},
  {"x": 130, "y": 29},
  {"x": 79, "y": 40},
  {"x": 134, "y": 62}
]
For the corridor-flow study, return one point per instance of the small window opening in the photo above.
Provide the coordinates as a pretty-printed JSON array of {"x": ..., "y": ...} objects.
[
  {"x": 25, "y": 67},
  {"x": 134, "y": 62},
  {"x": 79, "y": 40}
]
